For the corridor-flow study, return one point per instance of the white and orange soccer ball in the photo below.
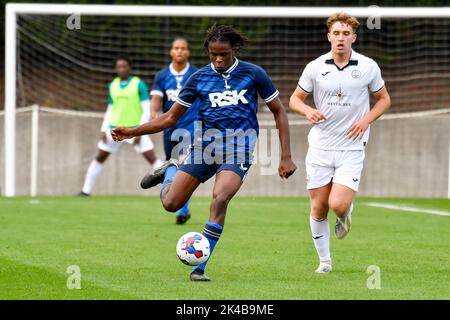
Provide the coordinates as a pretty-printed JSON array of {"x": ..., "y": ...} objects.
[{"x": 193, "y": 248}]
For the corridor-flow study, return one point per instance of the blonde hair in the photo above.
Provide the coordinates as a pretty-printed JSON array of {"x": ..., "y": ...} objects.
[{"x": 344, "y": 18}]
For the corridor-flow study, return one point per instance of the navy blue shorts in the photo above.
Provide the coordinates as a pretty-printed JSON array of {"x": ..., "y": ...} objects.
[{"x": 204, "y": 171}]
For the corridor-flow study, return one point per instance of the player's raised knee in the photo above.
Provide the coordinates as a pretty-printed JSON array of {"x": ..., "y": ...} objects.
[
  {"x": 338, "y": 206},
  {"x": 172, "y": 205}
]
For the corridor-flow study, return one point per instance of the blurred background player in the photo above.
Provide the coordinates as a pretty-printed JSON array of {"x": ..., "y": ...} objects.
[
  {"x": 168, "y": 83},
  {"x": 227, "y": 90},
  {"x": 341, "y": 81},
  {"x": 128, "y": 106}
]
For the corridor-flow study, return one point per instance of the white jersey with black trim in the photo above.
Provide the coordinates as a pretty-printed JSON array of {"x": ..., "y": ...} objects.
[{"x": 343, "y": 97}]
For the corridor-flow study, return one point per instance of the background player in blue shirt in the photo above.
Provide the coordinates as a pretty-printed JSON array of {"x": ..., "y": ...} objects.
[
  {"x": 166, "y": 87},
  {"x": 228, "y": 93}
]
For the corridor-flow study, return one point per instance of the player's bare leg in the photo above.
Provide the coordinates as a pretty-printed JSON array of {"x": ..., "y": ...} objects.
[
  {"x": 94, "y": 170},
  {"x": 320, "y": 228},
  {"x": 319, "y": 201},
  {"x": 175, "y": 195},
  {"x": 225, "y": 187},
  {"x": 341, "y": 202},
  {"x": 102, "y": 155}
]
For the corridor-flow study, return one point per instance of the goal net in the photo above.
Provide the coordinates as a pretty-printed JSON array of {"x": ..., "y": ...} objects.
[
  {"x": 65, "y": 67},
  {"x": 65, "y": 61}
]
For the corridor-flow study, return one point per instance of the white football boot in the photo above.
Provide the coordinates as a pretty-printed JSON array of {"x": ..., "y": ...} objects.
[{"x": 324, "y": 267}]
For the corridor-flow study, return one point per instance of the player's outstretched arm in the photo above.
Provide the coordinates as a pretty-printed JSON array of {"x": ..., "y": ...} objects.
[
  {"x": 298, "y": 105},
  {"x": 287, "y": 166},
  {"x": 382, "y": 104},
  {"x": 166, "y": 120},
  {"x": 156, "y": 106}
]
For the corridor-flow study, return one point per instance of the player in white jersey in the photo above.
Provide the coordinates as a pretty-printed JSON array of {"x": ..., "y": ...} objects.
[{"x": 341, "y": 82}]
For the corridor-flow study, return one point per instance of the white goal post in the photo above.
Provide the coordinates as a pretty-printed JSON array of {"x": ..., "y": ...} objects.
[{"x": 13, "y": 10}]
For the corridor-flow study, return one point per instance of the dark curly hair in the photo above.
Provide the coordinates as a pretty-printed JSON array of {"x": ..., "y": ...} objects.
[{"x": 224, "y": 33}]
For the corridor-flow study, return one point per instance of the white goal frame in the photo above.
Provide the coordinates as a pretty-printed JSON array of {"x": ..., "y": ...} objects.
[{"x": 15, "y": 9}]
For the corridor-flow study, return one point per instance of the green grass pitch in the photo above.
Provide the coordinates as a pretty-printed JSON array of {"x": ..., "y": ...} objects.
[{"x": 125, "y": 248}]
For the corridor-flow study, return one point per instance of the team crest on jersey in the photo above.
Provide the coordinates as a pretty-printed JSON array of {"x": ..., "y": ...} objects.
[
  {"x": 172, "y": 94},
  {"x": 356, "y": 74},
  {"x": 227, "y": 98}
]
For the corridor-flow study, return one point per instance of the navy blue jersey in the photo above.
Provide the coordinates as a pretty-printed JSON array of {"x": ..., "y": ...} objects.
[
  {"x": 228, "y": 102},
  {"x": 168, "y": 83}
]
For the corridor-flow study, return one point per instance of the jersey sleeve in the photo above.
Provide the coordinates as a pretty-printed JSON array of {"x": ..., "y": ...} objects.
[
  {"x": 157, "y": 88},
  {"x": 110, "y": 100},
  {"x": 264, "y": 85},
  {"x": 376, "y": 81},
  {"x": 189, "y": 92},
  {"x": 306, "y": 81},
  {"x": 143, "y": 91}
]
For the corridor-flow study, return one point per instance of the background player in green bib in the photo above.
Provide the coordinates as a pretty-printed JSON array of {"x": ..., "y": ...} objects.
[{"x": 128, "y": 106}]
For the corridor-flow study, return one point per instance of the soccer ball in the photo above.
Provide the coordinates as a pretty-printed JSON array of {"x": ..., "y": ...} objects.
[{"x": 193, "y": 249}]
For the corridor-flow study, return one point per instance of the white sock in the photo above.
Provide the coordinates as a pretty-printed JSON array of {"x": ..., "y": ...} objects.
[
  {"x": 321, "y": 236},
  {"x": 95, "y": 168},
  {"x": 158, "y": 163}
]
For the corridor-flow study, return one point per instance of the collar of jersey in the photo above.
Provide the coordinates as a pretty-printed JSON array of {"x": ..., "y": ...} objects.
[
  {"x": 181, "y": 73},
  {"x": 124, "y": 83},
  {"x": 353, "y": 61},
  {"x": 229, "y": 70}
]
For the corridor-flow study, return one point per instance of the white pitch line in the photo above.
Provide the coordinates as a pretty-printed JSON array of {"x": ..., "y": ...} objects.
[{"x": 403, "y": 208}]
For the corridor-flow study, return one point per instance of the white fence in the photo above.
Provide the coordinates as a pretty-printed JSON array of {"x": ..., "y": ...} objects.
[{"x": 407, "y": 156}]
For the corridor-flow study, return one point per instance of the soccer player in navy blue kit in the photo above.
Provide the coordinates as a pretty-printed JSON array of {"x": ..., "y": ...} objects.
[
  {"x": 227, "y": 89},
  {"x": 166, "y": 87}
]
